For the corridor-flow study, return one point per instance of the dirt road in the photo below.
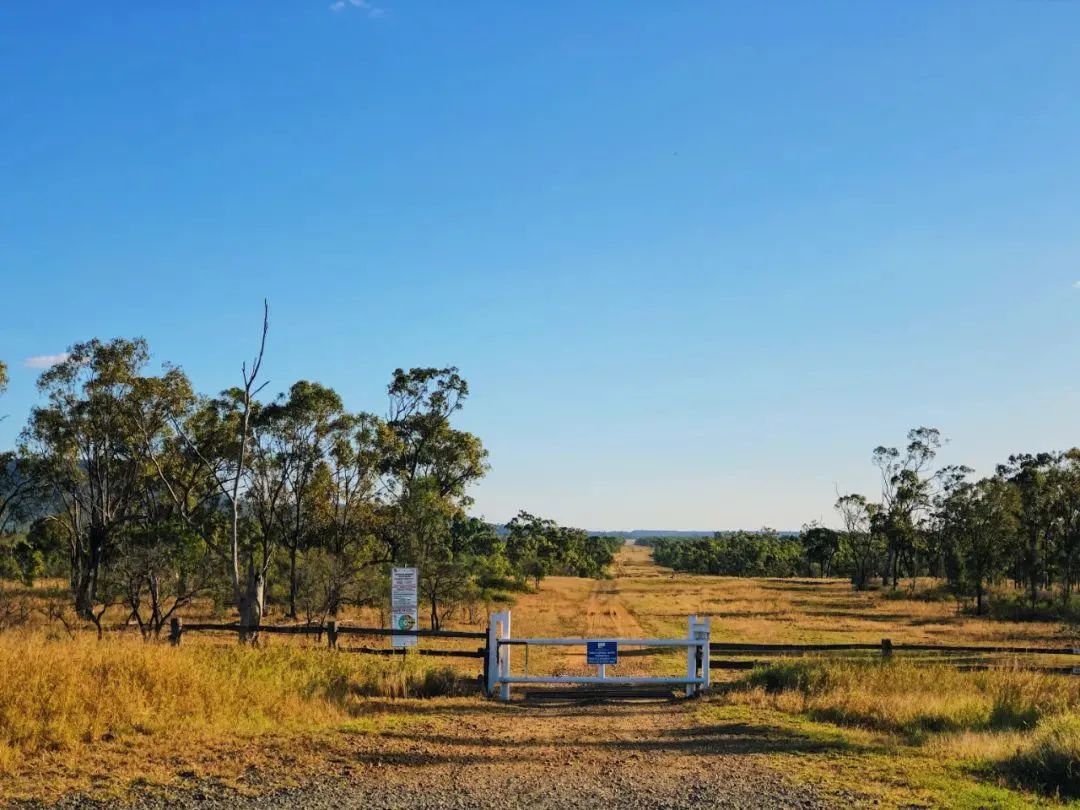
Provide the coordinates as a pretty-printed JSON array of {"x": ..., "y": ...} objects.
[{"x": 484, "y": 755}]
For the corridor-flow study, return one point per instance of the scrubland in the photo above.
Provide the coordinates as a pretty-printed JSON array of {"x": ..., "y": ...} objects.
[{"x": 100, "y": 715}]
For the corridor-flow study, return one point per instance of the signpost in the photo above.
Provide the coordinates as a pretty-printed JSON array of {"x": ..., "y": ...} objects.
[
  {"x": 600, "y": 653},
  {"x": 403, "y": 615}
]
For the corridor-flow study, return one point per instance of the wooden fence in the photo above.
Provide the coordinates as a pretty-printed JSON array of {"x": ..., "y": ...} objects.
[
  {"x": 962, "y": 656},
  {"x": 334, "y": 632}
]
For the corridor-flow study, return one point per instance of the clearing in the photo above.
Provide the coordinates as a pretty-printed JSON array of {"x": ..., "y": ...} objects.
[{"x": 473, "y": 753}]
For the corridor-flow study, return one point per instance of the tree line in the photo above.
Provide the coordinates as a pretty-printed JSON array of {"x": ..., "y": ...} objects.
[
  {"x": 1018, "y": 526},
  {"x": 148, "y": 495}
]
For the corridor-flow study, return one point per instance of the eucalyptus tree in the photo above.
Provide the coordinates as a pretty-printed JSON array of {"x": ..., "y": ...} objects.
[
  {"x": 1028, "y": 474},
  {"x": 1063, "y": 504},
  {"x": 860, "y": 543},
  {"x": 463, "y": 569},
  {"x": 976, "y": 524},
  {"x": 906, "y": 497},
  {"x": 294, "y": 437},
  {"x": 820, "y": 545},
  {"x": 427, "y": 467},
  {"x": 351, "y": 520},
  {"x": 213, "y": 481},
  {"x": 84, "y": 443},
  {"x": 531, "y": 546}
]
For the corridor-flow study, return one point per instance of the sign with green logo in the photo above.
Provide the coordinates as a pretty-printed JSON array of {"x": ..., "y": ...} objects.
[{"x": 403, "y": 601}]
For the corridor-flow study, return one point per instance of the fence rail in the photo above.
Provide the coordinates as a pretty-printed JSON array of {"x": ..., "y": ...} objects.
[
  {"x": 886, "y": 644},
  {"x": 478, "y": 653},
  {"x": 964, "y": 657},
  {"x": 333, "y": 631},
  {"x": 320, "y": 629}
]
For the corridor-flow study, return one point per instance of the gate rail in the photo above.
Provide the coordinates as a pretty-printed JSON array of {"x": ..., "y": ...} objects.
[{"x": 500, "y": 642}]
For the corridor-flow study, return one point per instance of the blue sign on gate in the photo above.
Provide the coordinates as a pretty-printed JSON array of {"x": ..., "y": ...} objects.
[{"x": 602, "y": 652}]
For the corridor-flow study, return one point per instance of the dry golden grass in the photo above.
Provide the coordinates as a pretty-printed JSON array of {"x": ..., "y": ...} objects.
[
  {"x": 1018, "y": 724},
  {"x": 132, "y": 702},
  {"x": 809, "y": 610},
  {"x": 63, "y": 695},
  {"x": 912, "y": 700}
]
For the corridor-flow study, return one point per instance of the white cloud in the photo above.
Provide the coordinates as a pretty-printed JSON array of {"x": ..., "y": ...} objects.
[
  {"x": 370, "y": 9},
  {"x": 1076, "y": 285},
  {"x": 44, "y": 360}
]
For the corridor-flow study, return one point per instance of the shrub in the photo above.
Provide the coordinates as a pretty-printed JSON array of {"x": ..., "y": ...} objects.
[
  {"x": 1049, "y": 760},
  {"x": 912, "y": 699}
]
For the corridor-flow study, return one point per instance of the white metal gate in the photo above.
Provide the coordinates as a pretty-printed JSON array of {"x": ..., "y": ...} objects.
[{"x": 500, "y": 643}]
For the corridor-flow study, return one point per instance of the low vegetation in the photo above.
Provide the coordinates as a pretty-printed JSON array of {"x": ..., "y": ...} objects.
[
  {"x": 1017, "y": 724},
  {"x": 73, "y": 694}
]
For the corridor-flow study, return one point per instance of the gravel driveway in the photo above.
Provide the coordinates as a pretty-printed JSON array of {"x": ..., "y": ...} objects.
[{"x": 651, "y": 755}]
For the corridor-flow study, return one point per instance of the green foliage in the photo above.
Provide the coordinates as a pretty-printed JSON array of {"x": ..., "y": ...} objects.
[
  {"x": 19, "y": 560},
  {"x": 737, "y": 554},
  {"x": 538, "y": 547}
]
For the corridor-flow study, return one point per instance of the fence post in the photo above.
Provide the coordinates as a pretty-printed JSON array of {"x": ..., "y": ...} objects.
[
  {"x": 705, "y": 634},
  {"x": 504, "y": 657},
  {"x": 490, "y": 653},
  {"x": 176, "y": 629},
  {"x": 331, "y": 634},
  {"x": 691, "y": 658},
  {"x": 886, "y": 648}
]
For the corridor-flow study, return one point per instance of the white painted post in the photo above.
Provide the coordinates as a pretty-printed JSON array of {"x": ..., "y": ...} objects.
[
  {"x": 603, "y": 670},
  {"x": 706, "y": 626},
  {"x": 493, "y": 654},
  {"x": 504, "y": 658},
  {"x": 691, "y": 658}
]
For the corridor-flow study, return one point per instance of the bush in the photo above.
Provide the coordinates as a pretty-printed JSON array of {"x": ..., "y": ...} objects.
[
  {"x": 796, "y": 676},
  {"x": 914, "y": 700},
  {"x": 1049, "y": 761}
]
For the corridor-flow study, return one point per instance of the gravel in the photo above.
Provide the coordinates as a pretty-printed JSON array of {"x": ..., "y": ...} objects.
[{"x": 614, "y": 756}]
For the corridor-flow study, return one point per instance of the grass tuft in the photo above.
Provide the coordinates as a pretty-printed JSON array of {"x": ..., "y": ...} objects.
[
  {"x": 910, "y": 699},
  {"x": 1049, "y": 759}
]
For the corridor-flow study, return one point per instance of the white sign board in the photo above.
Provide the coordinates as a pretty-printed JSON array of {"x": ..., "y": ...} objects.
[{"x": 403, "y": 615}]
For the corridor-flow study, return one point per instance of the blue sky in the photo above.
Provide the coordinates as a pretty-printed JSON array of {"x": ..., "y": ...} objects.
[{"x": 696, "y": 259}]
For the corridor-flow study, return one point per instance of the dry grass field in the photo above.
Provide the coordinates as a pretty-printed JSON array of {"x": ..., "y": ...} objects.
[{"x": 103, "y": 717}]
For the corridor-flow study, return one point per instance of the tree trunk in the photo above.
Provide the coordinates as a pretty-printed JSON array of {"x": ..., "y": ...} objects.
[
  {"x": 84, "y": 595},
  {"x": 251, "y": 607},
  {"x": 292, "y": 582},
  {"x": 1033, "y": 574},
  {"x": 979, "y": 597},
  {"x": 88, "y": 564}
]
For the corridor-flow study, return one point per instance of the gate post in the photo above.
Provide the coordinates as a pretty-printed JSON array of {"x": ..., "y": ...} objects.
[
  {"x": 705, "y": 635},
  {"x": 491, "y": 661},
  {"x": 691, "y": 657},
  {"x": 697, "y": 655},
  {"x": 504, "y": 659}
]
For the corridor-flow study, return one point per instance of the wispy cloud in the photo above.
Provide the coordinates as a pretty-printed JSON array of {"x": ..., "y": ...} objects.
[
  {"x": 1076, "y": 285},
  {"x": 370, "y": 9},
  {"x": 44, "y": 360}
]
